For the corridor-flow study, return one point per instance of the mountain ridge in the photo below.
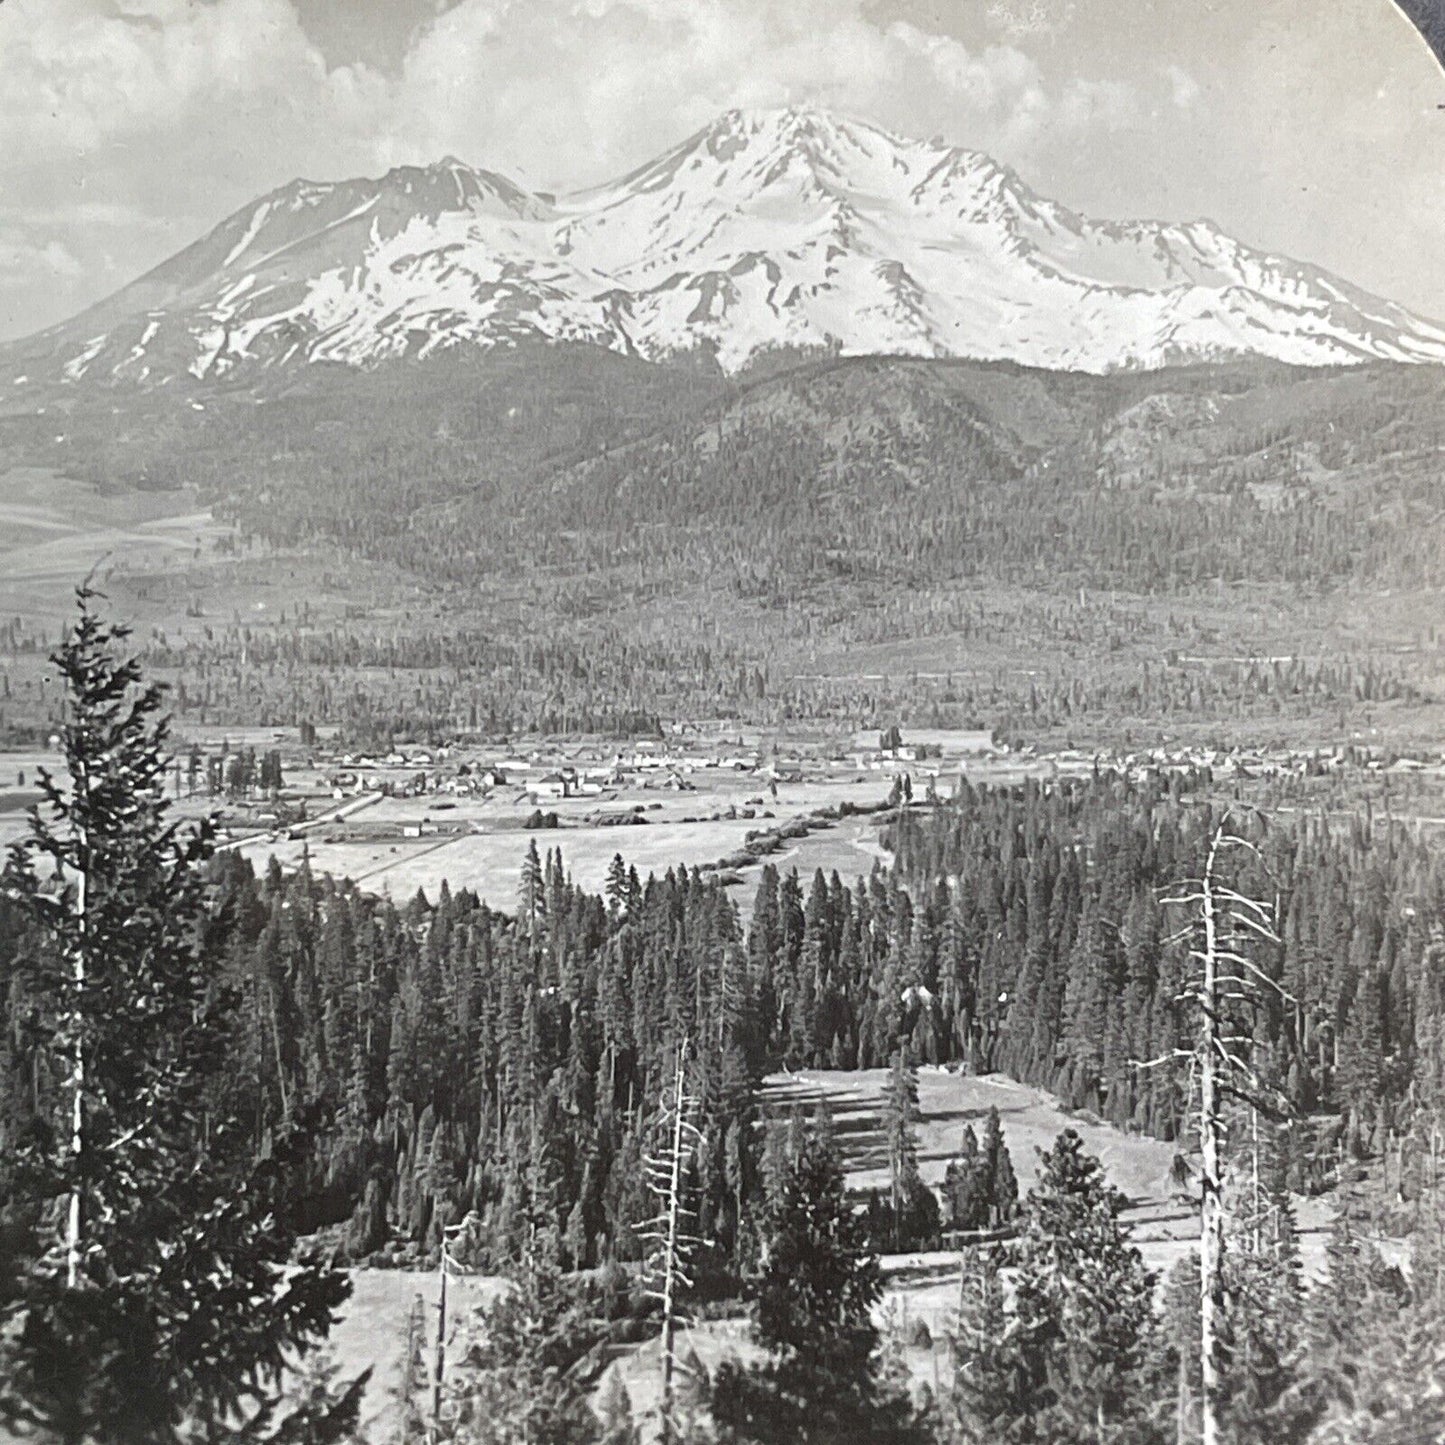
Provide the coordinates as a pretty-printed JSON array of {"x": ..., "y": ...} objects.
[{"x": 766, "y": 229}]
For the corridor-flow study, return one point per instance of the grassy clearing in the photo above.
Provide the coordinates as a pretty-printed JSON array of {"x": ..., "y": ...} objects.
[
  {"x": 54, "y": 529},
  {"x": 690, "y": 828},
  {"x": 490, "y": 864},
  {"x": 924, "y": 1286},
  {"x": 947, "y": 1102},
  {"x": 372, "y": 1332}
]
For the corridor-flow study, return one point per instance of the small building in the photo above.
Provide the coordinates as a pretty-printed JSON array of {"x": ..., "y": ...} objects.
[{"x": 551, "y": 785}]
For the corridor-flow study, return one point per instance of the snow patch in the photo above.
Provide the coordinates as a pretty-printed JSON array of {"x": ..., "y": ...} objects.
[
  {"x": 258, "y": 219},
  {"x": 76, "y": 367}
]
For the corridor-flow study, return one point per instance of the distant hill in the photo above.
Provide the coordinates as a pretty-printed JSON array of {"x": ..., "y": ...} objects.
[
  {"x": 555, "y": 536},
  {"x": 773, "y": 228},
  {"x": 578, "y": 456}
]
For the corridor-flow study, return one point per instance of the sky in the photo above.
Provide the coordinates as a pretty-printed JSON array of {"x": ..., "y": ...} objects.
[{"x": 128, "y": 128}]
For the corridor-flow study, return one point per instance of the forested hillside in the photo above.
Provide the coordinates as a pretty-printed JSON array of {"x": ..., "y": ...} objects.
[
  {"x": 553, "y": 540},
  {"x": 523, "y": 1090}
]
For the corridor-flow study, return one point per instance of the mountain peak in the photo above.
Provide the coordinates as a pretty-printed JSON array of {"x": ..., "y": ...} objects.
[
  {"x": 791, "y": 119},
  {"x": 807, "y": 128},
  {"x": 772, "y": 226}
]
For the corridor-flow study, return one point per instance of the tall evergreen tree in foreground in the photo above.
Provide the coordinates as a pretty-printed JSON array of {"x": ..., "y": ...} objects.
[
  {"x": 1065, "y": 1358},
  {"x": 824, "y": 1381},
  {"x": 147, "y": 1294}
]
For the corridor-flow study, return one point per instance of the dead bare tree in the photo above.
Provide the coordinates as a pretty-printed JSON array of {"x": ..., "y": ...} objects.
[
  {"x": 447, "y": 1265},
  {"x": 671, "y": 1243},
  {"x": 1226, "y": 928}
]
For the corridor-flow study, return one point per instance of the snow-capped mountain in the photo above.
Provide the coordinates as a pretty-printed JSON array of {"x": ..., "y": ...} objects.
[{"x": 779, "y": 227}]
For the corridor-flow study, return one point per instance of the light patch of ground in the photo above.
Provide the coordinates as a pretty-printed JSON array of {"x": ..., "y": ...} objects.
[
  {"x": 925, "y": 1286},
  {"x": 490, "y": 864},
  {"x": 54, "y": 530},
  {"x": 948, "y": 1101},
  {"x": 849, "y": 847},
  {"x": 693, "y": 828},
  {"x": 372, "y": 1332}
]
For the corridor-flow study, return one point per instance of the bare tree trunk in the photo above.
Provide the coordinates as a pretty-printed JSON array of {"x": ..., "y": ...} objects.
[
  {"x": 439, "y": 1373},
  {"x": 671, "y": 1239},
  {"x": 1254, "y": 1176},
  {"x": 670, "y": 1249},
  {"x": 1211, "y": 1212},
  {"x": 77, "y": 1081}
]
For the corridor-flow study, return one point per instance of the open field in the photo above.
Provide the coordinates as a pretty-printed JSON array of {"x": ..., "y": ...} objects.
[
  {"x": 398, "y": 843},
  {"x": 1031, "y": 1120},
  {"x": 490, "y": 864},
  {"x": 924, "y": 1286},
  {"x": 948, "y": 1101},
  {"x": 849, "y": 847}
]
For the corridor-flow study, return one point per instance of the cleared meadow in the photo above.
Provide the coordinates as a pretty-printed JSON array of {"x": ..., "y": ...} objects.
[
  {"x": 490, "y": 863},
  {"x": 54, "y": 530},
  {"x": 693, "y": 828}
]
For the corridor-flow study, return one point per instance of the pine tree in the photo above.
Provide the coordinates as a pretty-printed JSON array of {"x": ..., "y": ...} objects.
[
  {"x": 985, "y": 1402},
  {"x": 963, "y": 1186},
  {"x": 616, "y": 889},
  {"x": 1176, "y": 1347},
  {"x": 531, "y": 895},
  {"x": 515, "y": 1384},
  {"x": 164, "y": 1307},
  {"x": 1373, "y": 1368},
  {"x": 914, "y": 1209},
  {"x": 821, "y": 1383},
  {"x": 980, "y": 1187},
  {"x": 1082, "y": 1300},
  {"x": 1002, "y": 1186}
]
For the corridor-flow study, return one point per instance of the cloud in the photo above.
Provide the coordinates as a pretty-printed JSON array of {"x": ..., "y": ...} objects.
[
  {"x": 174, "y": 113},
  {"x": 23, "y": 260},
  {"x": 566, "y": 92},
  {"x": 128, "y": 125},
  {"x": 1183, "y": 86},
  {"x": 1031, "y": 18}
]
